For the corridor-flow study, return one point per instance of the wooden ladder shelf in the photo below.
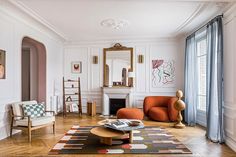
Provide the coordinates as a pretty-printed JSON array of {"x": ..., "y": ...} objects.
[{"x": 71, "y": 95}]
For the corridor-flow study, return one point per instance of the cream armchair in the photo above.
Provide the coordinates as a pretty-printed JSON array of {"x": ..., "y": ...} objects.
[{"x": 19, "y": 120}]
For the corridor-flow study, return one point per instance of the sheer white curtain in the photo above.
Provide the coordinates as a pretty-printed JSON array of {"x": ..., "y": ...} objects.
[
  {"x": 191, "y": 81},
  {"x": 214, "y": 94},
  {"x": 214, "y": 80}
]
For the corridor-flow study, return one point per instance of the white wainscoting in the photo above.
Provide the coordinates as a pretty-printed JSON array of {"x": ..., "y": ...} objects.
[
  {"x": 230, "y": 77},
  {"x": 92, "y": 74}
]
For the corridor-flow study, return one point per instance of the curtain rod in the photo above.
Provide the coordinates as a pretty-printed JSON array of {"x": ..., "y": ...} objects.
[{"x": 206, "y": 24}]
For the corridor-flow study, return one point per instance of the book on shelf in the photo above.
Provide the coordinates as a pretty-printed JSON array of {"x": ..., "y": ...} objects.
[{"x": 73, "y": 107}]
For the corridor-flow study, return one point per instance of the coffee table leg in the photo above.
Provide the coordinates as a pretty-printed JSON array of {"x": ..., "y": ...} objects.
[
  {"x": 131, "y": 136},
  {"x": 107, "y": 140}
]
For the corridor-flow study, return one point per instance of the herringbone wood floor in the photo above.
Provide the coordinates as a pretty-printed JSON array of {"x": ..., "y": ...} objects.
[{"x": 43, "y": 140}]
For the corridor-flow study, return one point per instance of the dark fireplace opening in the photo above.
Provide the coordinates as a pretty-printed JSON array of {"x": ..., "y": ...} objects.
[{"x": 115, "y": 105}]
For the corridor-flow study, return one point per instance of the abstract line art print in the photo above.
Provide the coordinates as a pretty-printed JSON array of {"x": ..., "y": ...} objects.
[{"x": 163, "y": 73}]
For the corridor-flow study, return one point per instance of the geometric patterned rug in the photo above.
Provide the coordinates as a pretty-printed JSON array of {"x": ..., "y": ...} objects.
[{"x": 148, "y": 140}]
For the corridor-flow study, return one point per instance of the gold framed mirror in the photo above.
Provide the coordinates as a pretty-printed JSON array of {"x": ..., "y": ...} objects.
[{"x": 117, "y": 62}]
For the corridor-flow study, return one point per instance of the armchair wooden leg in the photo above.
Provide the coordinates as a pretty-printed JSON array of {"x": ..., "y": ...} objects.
[
  {"x": 54, "y": 123},
  {"x": 29, "y": 131},
  {"x": 29, "y": 134},
  {"x": 11, "y": 126}
]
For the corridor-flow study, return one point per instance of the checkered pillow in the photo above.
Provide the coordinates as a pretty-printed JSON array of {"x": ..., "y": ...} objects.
[{"x": 33, "y": 110}]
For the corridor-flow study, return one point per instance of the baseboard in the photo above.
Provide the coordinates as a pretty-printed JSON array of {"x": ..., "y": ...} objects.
[
  {"x": 201, "y": 123},
  {"x": 5, "y": 131},
  {"x": 231, "y": 143}
]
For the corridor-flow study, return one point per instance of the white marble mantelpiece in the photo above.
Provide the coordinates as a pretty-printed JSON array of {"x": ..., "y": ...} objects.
[{"x": 116, "y": 93}]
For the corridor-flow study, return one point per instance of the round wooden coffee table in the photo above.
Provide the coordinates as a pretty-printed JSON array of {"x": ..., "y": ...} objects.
[{"x": 106, "y": 134}]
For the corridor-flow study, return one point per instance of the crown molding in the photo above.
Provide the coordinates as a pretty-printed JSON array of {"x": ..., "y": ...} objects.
[
  {"x": 51, "y": 28},
  {"x": 230, "y": 13},
  {"x": 229, "y": 8},
  {"x": 197, "y": 12},
  {"x": 121, "y": 40},
  {"x": 38, "y": 20}
]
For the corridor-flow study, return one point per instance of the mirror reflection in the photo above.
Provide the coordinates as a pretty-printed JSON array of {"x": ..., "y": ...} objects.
[{"x": 117, "y": 64}]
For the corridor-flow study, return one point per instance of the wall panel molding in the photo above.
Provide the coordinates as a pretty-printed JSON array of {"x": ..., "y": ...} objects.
[
  {"x": 229, "y": 125},
  {"x": 95, "y": 70},
  {"x": 94, "y": 73},
  {"x": 141, "y": 70},
  {"x": 229, "y": 77},
  {"x": 231, "y": 143}
]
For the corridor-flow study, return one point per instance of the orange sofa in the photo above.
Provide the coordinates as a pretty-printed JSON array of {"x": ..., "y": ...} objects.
[{"x": 160, "y": 108}]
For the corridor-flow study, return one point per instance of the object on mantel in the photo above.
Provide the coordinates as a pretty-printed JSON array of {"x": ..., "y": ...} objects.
[{"x": 131, "y": 75}]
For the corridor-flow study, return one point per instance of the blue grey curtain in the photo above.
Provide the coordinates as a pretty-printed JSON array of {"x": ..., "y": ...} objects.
[
  {"x": 214, "y": 93},
  {"x": 191, "y": 83}
]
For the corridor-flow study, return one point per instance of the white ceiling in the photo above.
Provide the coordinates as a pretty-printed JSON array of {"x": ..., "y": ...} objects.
[{"x": 79, "y": 20}]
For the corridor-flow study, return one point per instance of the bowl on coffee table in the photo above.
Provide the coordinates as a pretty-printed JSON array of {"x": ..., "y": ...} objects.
[{"x": 134, "y": 123}]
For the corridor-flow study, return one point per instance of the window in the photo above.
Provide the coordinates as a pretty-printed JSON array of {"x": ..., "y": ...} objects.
[
  {"x": 201, "y": 60},
  {"x": 201, "y": 47}
]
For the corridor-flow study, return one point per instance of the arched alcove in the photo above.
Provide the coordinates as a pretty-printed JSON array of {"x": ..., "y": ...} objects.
[{"x": 33, "y": 70}]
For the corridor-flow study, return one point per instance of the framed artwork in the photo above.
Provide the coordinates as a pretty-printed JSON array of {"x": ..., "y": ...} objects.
[
  {"x": 2, "y": 64},
  {"x": 76, "y": 67},
  {"x": 163, "y": 73}
]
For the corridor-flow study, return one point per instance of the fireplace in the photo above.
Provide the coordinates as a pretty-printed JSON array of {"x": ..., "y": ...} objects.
[
  {"x": 115, "y": 105},
  {"x": 124, "y": 93}
]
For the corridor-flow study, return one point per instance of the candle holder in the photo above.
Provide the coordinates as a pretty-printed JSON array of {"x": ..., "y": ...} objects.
[
  {"x": 95, "y": 59},
  {"x": 140, "y": 58}
]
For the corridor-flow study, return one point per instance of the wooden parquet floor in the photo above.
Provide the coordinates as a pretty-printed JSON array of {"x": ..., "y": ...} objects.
[{"x": 43, "y": 140}]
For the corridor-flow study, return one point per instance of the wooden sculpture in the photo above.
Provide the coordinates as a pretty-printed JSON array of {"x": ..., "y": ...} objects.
[{"x": 179, "y": 105}]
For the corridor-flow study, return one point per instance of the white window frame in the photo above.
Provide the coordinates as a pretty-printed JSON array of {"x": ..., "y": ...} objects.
[{"x": 201, "y": 114}]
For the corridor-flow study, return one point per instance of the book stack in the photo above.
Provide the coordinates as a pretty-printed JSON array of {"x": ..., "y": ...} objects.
[{"x": 118, "y": 124}]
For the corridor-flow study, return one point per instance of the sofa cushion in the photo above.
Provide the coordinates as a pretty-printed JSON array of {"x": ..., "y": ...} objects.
[
  {"x": 159, "y": 114},
  {"x": 33, "y": 110},
  {"x": 35, "y": 121},
  {"x": 17, "y": 108},
  {"x": 173, "y": 113}
]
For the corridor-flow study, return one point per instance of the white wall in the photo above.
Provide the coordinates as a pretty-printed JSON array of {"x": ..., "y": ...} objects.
[
  {"x": 13, "y": 27},
  {"x": 230, "y": 77},
  {"x": 92, "y": 74}
]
